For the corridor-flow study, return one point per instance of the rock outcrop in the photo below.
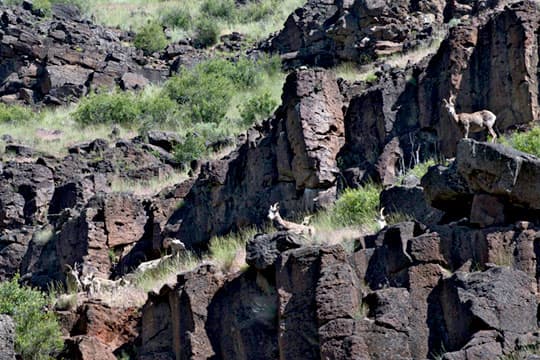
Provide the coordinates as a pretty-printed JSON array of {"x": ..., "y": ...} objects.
[
  {"x": 290, "y": 158},
  {"x": 398, "y": 121},
  {"x": 332, "y": 32},
  {"x": 408, "y": 292},
  {"x": 396, "y": 296},
  {"x": 57, "y": 211},
  {"x": 490, "y": 183},
  {"x": 59, "y": 59},
  {"x": 328, "y": 33}
]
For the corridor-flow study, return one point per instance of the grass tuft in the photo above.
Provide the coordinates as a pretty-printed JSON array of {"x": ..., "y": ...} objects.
[
  {"x": 228, "y": 252},
  {"x": 165, "y": 272},
  {"x": 528, "y": 141}
]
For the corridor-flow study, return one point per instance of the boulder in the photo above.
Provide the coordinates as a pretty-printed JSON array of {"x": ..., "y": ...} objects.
[
  {"x": 166, "y": 331},
  {"x": 499, "y": 298},
  {"x": 242, "y": 318},
  {"x": 112, "y": 326},
  {"x": 500, "y": 171},
  {"x": 125, "y": 219},
  {"x": 86, "y": 348},
  {"x": 263, "y": 250},
  {"x": 166, "y": 140},
  {"x": 31, "y": 181},
  {"x": 290, "y": 158},
  {"x": 132, "y": 81},
  {"x": 409, "y": 202}
]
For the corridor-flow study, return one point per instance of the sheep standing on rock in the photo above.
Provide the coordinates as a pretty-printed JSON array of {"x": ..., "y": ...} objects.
[{"x": 471, "y": 122}]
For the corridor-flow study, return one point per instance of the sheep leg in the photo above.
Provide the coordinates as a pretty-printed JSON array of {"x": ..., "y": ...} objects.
[{"x": 493, "y": 134}]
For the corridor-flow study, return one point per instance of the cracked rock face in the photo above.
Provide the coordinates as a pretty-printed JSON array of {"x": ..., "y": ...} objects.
[{"x": 291, "y": 158}]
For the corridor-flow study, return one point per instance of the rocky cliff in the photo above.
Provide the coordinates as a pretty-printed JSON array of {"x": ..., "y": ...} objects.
[
  {"x": 454, "y": 291},
  {"x": 459, "y": 282}
]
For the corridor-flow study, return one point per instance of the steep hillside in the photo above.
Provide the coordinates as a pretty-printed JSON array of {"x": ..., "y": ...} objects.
[{"x": 155, "y": 240}]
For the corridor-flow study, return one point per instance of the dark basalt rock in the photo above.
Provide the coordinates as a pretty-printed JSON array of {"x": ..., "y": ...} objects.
[{"x": 263, "y": 250}]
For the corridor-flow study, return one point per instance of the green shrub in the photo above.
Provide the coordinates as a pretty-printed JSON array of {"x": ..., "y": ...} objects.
[
  {"x": 176, "y": 18},
  {"x": 206, "y": 33},
  {"x": 222, "y": 9},
  {"x": 243, "y": 72},
  {"x": 44, "y": 6},
  {"x": 421, "y": 169},
  {"x": 256, "y": 11},
  {"x": 15, "y": 114},
  {"x": 108, "y": 108},
  {"x": 257, "y": 108},
  {"x": 82, "y": 5},
  {"x": 358, "y": 206},
  {"x": 158, "y": 108},
  {"x": 192, "y": 148},
  {"x": 528, "y": 142},
  {"x": 150, "y": 38},
  {"x": 37, "y": 334},
  {"x": 202, "y": 96},
  {"x": 270, "y": 64}
]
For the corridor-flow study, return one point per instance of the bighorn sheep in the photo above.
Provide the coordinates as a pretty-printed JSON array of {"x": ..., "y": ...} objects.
[
  {"x": 100, "y": 284},
  {"x": 471, "y": 122},
  {"x": 381, "y": 220},
  {"x": 283, "y": 225},
  {"x": 175, "y": 245},
  {"x": 73, "y": 284}
]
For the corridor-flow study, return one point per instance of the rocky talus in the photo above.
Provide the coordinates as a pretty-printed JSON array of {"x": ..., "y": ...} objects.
[{"x": 54, "y": 60}]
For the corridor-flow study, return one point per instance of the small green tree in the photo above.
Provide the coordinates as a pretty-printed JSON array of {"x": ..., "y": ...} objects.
[
  {"x": 202, "y": 96},
  {"x": 150, "y": 38},
  {"x": 192, "y": 148},
  {"x": 257, "y": 108},
  {"x": 15, "y": 114},
  {"x": 206, "y": 33},
  {"x": 37, "y": 333},
  {"x": 357, "y": 206}
]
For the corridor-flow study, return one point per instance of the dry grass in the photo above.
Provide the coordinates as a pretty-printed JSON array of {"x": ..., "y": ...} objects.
[
  {"x": 131, "y": 14},
  {"x": 54, "y": 131},
  {"x": 122, "y": 297},
  {"x": 147, "y": 187},
  {"x": 229, "y": 252},
  {"x": 354, "y": 72},
  {"x": 328, "y": 232},
  {"x": 166, "y": 272}
]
